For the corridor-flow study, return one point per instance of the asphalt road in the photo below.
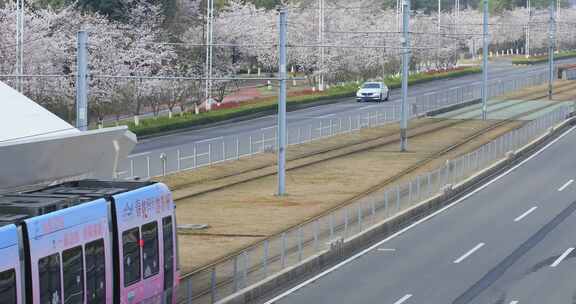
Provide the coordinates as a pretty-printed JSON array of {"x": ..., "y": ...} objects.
[
  {"x": 509, "y": 243},
  {"x": 497, "y": 70}
]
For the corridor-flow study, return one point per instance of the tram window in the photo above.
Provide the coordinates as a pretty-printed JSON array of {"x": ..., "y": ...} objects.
[
  {"x": 150, "y": 249},
  {"x": 95, "y": 273},
  {"x": 130, "y": 245},
  {"x": 168, "y": 237},
  {"x": 50, "y": 288},
  {"x": 73, "y": 268},
  {"x": 8, "y": 286}
]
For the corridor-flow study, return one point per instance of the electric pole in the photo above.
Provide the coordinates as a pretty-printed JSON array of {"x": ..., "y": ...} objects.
[
  {"x": 485, "y": 62},
  {"x": 405, "y": 66}
]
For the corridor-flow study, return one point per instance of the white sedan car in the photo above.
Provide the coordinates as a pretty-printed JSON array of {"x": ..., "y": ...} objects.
[{"x": 373, "y": 91}]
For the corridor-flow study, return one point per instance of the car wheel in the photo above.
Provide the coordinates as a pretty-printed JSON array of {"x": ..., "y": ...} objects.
[
  {"x": 387, "y": 96},
  {"x": 381, "y": 98}
]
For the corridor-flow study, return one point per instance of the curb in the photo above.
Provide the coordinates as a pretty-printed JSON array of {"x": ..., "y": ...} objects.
[
  {"x": 453, "y": 107},
  {"x": 291, "y": 109},
  {"x": 342, "y": 248}
]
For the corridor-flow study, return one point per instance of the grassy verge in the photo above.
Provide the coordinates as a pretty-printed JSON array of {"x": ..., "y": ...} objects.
[
  {"x": 152, "y": 126},
  {"x": 540, "y": 59}
]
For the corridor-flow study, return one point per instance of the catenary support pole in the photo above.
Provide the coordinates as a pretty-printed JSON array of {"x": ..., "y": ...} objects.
[
  {"x": 211, "y": 65},
  {"x": 439, "y": 15},
  {"x": 82, "y": 82},
  {"x": 283, "y": 29},
  {"x": 398, "y": 14},
  {"x": 527, "y": 45},
  {"x": 405, "y": 65},
  {"x": 321, "y": 41},
  {"x": 551, "y": 48},
  {"x": 485, "y": 62},
  {"x": 18, "y": 46},
  {"x": 19, "y": 43},
  {"x": 209, "y": 49},
  {"x": 439, "y": 38}
]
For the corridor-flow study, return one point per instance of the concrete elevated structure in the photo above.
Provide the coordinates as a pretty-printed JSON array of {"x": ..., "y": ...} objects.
[{"x": 37, "y": 147}]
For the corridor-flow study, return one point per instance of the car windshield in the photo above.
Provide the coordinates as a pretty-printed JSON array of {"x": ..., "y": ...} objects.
[{"x": 371, "y": 86}]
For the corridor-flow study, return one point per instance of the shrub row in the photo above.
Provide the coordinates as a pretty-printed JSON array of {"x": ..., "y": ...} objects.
[{"x": 540, "y": 59}]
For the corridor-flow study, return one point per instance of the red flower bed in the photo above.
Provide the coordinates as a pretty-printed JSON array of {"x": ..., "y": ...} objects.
[
  {"x": 440, "y": 71},
  {"x": 235, "y": 104},
  {"x": 227, "y": 105}
]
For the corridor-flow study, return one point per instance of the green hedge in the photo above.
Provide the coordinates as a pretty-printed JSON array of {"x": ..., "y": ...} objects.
[
  {"x": 396, "y": 82},
  {"x": 535, "y": 60},
  {"x": 152, "y": 126}
]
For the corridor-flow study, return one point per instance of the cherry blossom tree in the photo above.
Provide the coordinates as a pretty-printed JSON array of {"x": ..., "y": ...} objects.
[{"x": 358, "y": 44}]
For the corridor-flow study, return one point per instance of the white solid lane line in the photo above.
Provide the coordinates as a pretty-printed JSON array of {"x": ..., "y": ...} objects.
[
  {"x": 403, "y": 299},
  {"x": 514, "y": 302},
  {"x": 562, "y": 257},
  {"x": 525, "y": 214},
  {"x": 386, "y": 249},
  {"x": 325, "y": 116},
  {"x": 415, "y": 224},
  {"x": 568, "y": 183},
  {"x": 267, "y": 128},
  {"x": 470, "y": 252},
  {"x": 367, "y": 107},
  {"x": 210, "y": 139}
]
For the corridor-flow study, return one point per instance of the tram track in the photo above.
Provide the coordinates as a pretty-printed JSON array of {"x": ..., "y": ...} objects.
[{"x": 308, "y": 159}]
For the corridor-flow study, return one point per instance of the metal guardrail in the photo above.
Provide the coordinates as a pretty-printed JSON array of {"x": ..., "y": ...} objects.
[
  {"x": 293, "y": 246},
  {"x": 213, "y": 151}
]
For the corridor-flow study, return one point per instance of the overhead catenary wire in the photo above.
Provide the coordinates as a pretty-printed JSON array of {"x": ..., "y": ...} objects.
[
  {"x": 144, "y": 77},
  {"x": 231, "y": 45}
]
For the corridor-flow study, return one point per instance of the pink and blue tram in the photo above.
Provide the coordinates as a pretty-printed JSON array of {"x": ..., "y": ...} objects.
[{"x": 92, "y": 242}]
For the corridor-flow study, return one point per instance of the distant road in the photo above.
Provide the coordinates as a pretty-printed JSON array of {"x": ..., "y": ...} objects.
[
  {"x": 497, "y": 70},
  {"x": 512, "y": 242}
]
